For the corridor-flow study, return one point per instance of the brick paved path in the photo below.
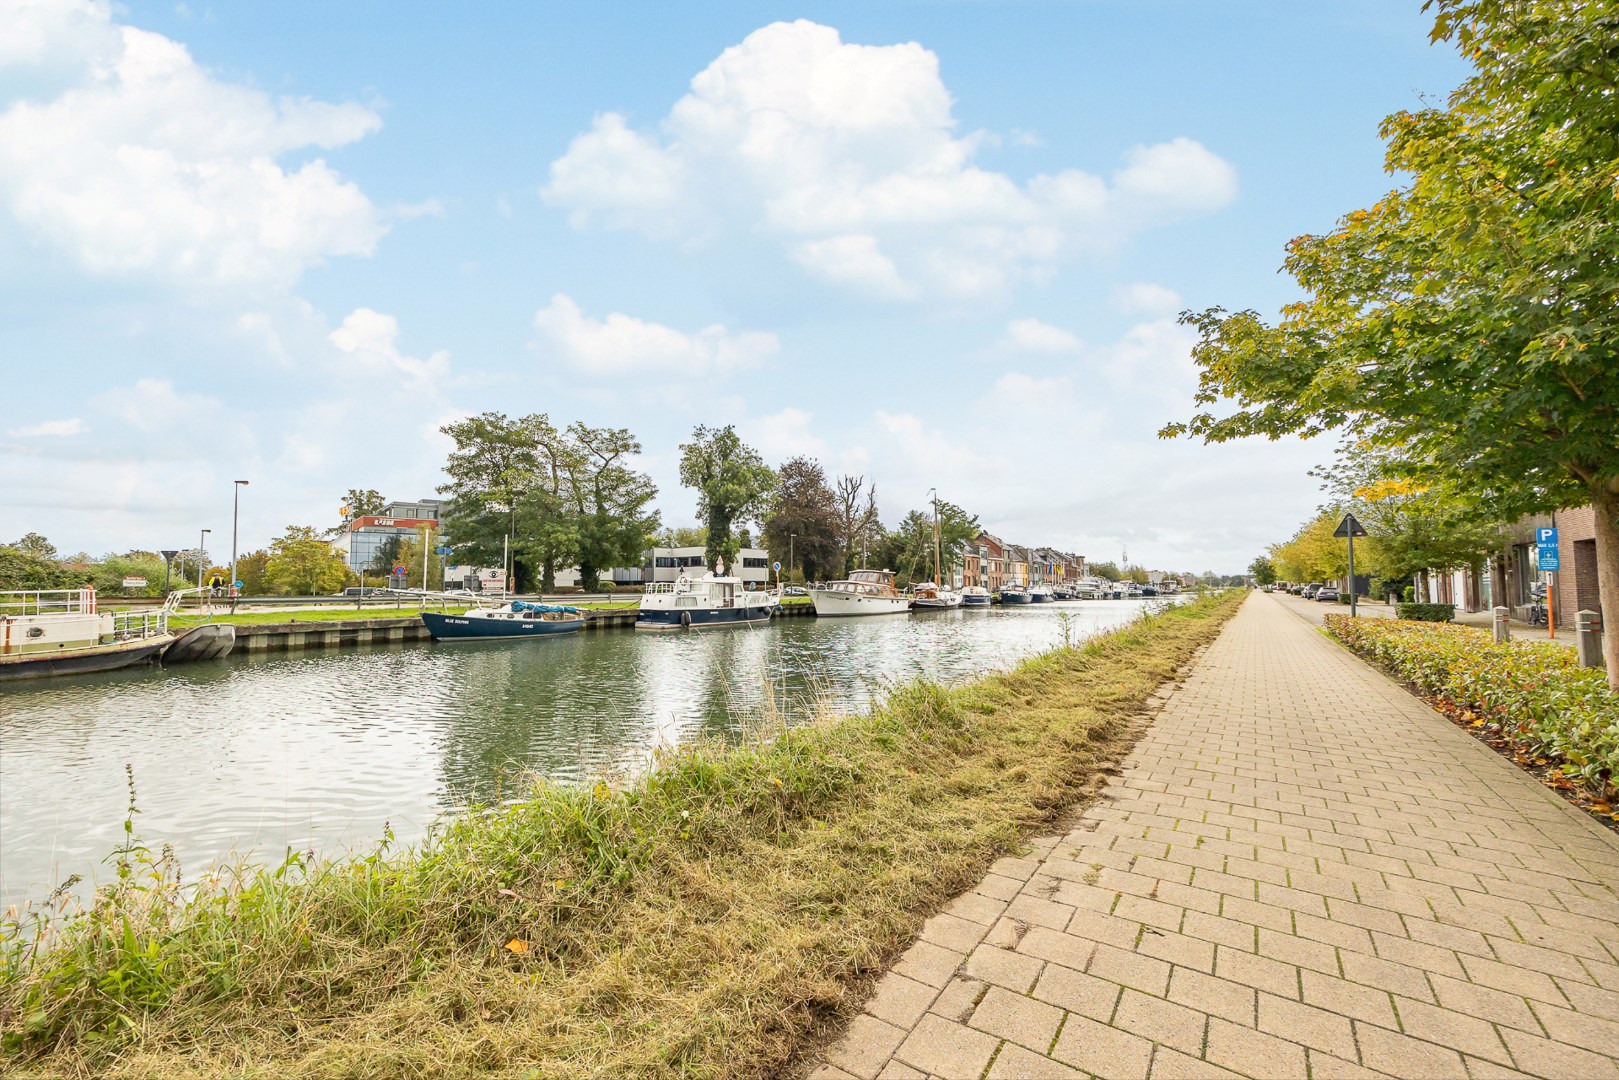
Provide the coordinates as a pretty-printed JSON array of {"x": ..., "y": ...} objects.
[{"x": 1301, "y": 872}]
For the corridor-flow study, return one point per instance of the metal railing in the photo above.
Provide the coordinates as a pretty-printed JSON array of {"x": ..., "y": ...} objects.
[{"x": 48, "y": 602}]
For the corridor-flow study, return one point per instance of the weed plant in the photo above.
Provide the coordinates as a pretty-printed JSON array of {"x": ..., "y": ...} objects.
[{"x": 717, "y": 916}]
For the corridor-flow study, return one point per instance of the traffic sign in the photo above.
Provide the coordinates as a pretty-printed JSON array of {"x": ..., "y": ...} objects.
[
  {"x": 775, "y": 566},
  {"x": 1547, "y": 556},
  {"x": 399, "y": 571},
  {"x": 1349, "y": 527},
  {"x": 238, "y": 585},
  {"x": 441, "y": 551},
  {"x": 1549, "y": 559}
]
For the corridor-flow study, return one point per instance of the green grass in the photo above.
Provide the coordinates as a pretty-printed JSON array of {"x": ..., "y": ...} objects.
[{"x": 719, "y": 916}]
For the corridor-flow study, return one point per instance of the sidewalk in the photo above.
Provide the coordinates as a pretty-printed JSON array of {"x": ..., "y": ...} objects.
[{"x": 1301, "y": 871}]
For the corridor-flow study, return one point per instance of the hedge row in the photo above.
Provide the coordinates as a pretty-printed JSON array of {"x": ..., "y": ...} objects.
[
  {"x": 1426, "y": 612},
  {"x": 1532, "y": 694}
]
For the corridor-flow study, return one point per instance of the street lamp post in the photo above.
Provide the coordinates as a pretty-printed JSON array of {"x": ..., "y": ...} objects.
[
  {"x": 791, "y": 562},
  {"x": 202, "y": 556},
  {"x": 235, "y": 507}
]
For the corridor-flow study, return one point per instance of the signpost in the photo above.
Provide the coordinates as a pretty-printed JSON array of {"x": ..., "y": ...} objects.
[
  {"x": 134, "y": 583},
  {"x": 1350, "y": 528},
  {"x": 168, "y": 567},
  {"x": 1550, "y": 561}
]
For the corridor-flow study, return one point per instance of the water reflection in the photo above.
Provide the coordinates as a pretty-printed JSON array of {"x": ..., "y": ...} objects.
[{"x": 324, "y": 749}]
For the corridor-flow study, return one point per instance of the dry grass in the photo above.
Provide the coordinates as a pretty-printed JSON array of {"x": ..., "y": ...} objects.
[{"x": 719, "y": 917}]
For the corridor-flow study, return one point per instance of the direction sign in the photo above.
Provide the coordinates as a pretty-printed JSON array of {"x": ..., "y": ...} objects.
[
  {"x": 134, "y": 583},
  {"x": 1349, "y": 527}
]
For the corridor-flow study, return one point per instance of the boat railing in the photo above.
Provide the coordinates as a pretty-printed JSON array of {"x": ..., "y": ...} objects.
[
  {"x": 48, "y": 602},
  {"x": 660, "y": 587},
  {"x": 134, "y": 625}
]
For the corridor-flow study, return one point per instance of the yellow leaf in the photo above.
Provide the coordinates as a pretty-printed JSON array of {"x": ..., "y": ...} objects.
[
  {"x": 560, "y": 884},
  {"x": 517, "y": 945}
]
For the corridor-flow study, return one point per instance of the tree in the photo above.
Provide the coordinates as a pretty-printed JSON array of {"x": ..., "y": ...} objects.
[
  {"x": 1107, "y": 571},
  {"x": 1469, "y": 321},
  {"x": 801, "y": 529},
  {"x": 251, "y": 571},
  {"x": 908, "y": 549},
  {"x": 363, "y": 502},
  {"x": 300, "y": 563},
  {"x": 21, "y": 568},
  {"x": 733, "y": 485},
  {"x": 686, "y": 536},
  {"x": 32, "y": 543},
  {"x": 386, "y": 556},
  {"x": 1263, "y": 570},
  {"x": 608, "y": 499},
  {"x": 855, "y": 505}
]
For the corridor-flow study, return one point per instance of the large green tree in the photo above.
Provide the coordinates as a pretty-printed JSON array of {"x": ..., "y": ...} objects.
[
  {"x": 608, "y": 500},
  {"x": 1263, "y": 570},
  {"x": 1468, "y": 322},
  {"x": 363, "y": 502},
  {"x": 733, "y": 485},
  {"x": 302, "y": 564},
  {"x": 801, "y": 529}
]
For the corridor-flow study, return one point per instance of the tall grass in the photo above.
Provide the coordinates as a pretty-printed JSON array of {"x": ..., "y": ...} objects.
[{"x": 713, "y": 917}]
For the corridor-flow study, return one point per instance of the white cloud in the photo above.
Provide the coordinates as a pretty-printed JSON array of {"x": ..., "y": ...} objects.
[
  {"x": 154, "y": 405},
  {"x": 425, "y": 208},
  {"x": 1023, "y": 137},
  {"x": 1034, "y": 336},
  {"x": 848, "y": 156},
  {"x": 1145, "y": 298},
  {"x": 622, "y": 344},
  {"x": 144, "y": 164},
  {"x": 49, "y": 429},
  {"x": 784, "y": 435},
  {"x": 370, "y": 340}
]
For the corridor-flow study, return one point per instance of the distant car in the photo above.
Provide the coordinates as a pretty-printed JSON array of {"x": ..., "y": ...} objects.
[
  {"x": 1326, "y": 594},
  {"x": 368, "y": 590},
  {"x": 795, "y": 590},
  {"x": 1311, "y": 589}
]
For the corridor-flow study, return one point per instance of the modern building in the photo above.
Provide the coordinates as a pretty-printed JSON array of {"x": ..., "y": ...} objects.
[{"x": 357, "y": 545}]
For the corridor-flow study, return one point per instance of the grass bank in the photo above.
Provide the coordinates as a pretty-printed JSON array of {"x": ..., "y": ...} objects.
[{"x": 715, "y": 918}]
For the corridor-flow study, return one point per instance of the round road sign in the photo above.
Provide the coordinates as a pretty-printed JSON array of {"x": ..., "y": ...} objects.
[{"x": 399, "y": 571}]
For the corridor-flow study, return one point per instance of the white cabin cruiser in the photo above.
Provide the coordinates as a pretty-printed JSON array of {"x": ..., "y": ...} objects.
[
  {"x": 701, "y": 603},
  {"x": 864, "y": 592},
  {"x": 930, "y": 597}
]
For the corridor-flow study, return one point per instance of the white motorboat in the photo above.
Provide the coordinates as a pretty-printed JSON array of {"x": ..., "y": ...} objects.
[
  {"x": 864, "y": 592},
  {"x": 930, "y": 597},
  {"x": 701, "y": 603},
  {"x": 1091, "y": 589},
  {"x": 62, "y": 632},
  {"x": 1041, "y": 593},
  {"x": 975, "y": 596}
]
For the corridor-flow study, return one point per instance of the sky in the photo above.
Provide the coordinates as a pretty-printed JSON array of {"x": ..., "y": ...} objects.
[{"x": 937, "y": 244}]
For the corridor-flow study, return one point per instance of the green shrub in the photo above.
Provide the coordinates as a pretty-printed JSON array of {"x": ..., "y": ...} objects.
[
  {"x": 1408, "y": 594},
  {"x": 1426, "y": 612},
  {"x": 1532, "y": 694}
]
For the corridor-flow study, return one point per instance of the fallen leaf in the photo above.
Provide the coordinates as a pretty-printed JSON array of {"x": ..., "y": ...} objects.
[
  {"x": 517, "y": 945},
  {"x": 1601, "y": 807}
]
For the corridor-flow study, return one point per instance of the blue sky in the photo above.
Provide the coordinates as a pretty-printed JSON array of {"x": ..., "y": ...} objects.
[{"x": 936, "y": 244}]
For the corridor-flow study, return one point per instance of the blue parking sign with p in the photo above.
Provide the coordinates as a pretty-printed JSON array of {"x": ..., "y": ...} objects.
[
  {"x": 1546, "y": 537},
  {"x": 1547, "y": 557}
]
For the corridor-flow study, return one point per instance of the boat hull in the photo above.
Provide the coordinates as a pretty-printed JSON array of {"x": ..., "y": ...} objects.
[
  {"x": 828, "y": 602},
  {"x": 976, "y": 601},
  {"x": 83, "y": 661},
  {"x": 461, "y": 628},
  {"x": 1016, "y": 598},
  {"x": 702, "y": 618}
]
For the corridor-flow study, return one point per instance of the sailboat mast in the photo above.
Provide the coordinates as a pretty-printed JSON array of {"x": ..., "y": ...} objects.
[{"x": 938, "y": 571}]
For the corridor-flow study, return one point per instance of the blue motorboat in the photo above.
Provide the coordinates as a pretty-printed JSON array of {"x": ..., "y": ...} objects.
[
  {"x": 1015, "y": 594},
  {"x": 975, "y": 596},
  {"x": 517, "y": 619}
]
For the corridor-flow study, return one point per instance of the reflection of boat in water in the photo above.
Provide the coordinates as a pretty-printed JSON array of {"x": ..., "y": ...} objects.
[
  {"x": 704, "y": 602},
  {"x": 61, "y": 632},
  {"x": 865, "y": 592},
  {"x": 975, "y": 596},
  {"x": 517, "y": 619},
  {"x": 1015, "y": 594}
]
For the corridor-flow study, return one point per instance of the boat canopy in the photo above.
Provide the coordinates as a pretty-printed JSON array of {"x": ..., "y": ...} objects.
[{"x": 544, "y": 609}]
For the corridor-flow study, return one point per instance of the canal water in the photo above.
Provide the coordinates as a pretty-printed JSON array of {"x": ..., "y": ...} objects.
[{"x": 256, "y": 754}]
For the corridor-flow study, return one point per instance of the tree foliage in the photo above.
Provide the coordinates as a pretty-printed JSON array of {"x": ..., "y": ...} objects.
[
  {"x": 1468, "y": 322},
  {"x": 855, "y": 503},
  {"x": 733, "y": 485},
  {"x": 801, "y": 530},
  {"x": 300, "y": 563},
  {"x": 363, "y": 502},
  {"x": 1263, "y": 570},
  {"x": 608, "y": 500}
]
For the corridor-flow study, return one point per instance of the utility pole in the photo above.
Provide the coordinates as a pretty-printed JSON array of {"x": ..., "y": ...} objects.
[
  {"x": 791, "y": 537},
  {"x": 202, "y": 555},
  {"x": 235, "y": 507}
]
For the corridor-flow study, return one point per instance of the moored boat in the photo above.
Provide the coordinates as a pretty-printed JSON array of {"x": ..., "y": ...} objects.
[
  {"x": 1041, "y": 594},
  {"x": 517, "y": 619},
  {"x": 1015, "y": 594},
  {"x": 975, "y": 596},
  {"x": 62, "y": 632},
  {"x": 930, "y": 597},
  {"x": 703, "y": 603},
  {"x": 864, "y": 592}
]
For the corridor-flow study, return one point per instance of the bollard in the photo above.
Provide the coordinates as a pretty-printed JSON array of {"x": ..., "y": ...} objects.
[
  {"x": 1588, "y": 638},
  {"x": 1503, "y": 632}
]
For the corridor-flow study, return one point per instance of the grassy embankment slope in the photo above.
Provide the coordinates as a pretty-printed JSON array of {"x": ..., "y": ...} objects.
[{"x": 717, "y": 917}]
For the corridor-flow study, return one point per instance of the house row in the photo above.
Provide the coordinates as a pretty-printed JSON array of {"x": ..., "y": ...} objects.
[
  {"x": 1509, "y": 576},
  {"x": 992, "y": 563}
]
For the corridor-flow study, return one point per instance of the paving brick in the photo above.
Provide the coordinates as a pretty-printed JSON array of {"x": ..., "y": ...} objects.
[
  {"x": 1016, "y": 1063},
  {"x": 1021, "y": 1019},
  {"x": 1170, "y": 1064},
  {"x": 1386, "y": 975},
  {"x": 1486, "y": 1004},
  {"x": 929, "y": 963},
  {"x": 957, "y": 935},
  {"x": 1513, "y": 980},
  {"x": 901, "y": 1001},
  {"x": 957, "y": 1000},
  {"x": 1252, "y": 1052},
  {"x": 1298, "y": 951},
  {"x": 1097, "y": 926},
  {"x": 1459, "y": 1031},
  {"x": 976, "y": 907},
  {"x": 1077, "y": 992},
  {"x": 1178, "y": 949},
  {"x": 1039, "y": 912},
  {"x": 1220, "y": 931},
  {"x": 865, "y": 1047},
  {"x": 946, "y": 1048},
  {"x": 1579, "y": 1029},
  {"x": 1262, "y": 973},
  {"x": 999, "y": 888},
  {"x": 1327, "y": 1067},
  {"x": 1400, "y": 1055},
  {"x": 1307, "y": 1025},
  {"x": 1130, "y": 969},
  {"x": 1102, "y": 1050},
  {"x": 1348, "y": 999},
  {"x": 1001, "y": 967},
  {"x": 1548, "y": 1057},
  {"x": 1163, "y": 1022},
  {"x": 1217, "y": 997}
]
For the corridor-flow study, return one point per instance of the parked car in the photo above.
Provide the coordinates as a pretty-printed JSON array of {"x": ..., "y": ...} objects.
[
  {"x": 795, "y": 590},
  {"x": 1327, "y": 594},
  {"x": 369, "y": 590}
]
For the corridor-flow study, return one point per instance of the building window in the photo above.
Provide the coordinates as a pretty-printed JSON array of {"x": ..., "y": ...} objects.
[
  {"x": 667, "y": 562},
  {"x": 756, "y": 564}
]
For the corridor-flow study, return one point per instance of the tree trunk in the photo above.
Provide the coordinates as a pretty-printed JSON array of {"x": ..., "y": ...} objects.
[
  {"x": 1605, "y": 501},
  {"x": 589, "y": 577},
  {"x": 548, "y": 575}
]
